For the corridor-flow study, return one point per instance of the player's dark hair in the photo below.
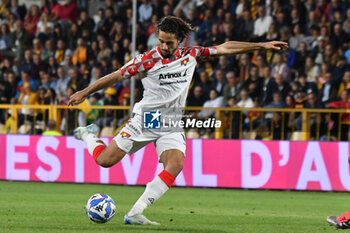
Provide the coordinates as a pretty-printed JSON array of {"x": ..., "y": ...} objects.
[{"x": 176, "y": 26}]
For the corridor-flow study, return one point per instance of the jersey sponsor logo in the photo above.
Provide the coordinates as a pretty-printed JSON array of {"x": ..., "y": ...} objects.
[
  {"x": 170, "y": 75},
  {"x": 151, "y": 119},
  {"x": 125, "y": 135}
]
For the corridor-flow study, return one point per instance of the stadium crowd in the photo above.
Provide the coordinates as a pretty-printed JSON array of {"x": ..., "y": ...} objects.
[{"x": 51, "y": 50}]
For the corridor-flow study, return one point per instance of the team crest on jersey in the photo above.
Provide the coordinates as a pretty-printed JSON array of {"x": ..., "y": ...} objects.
[
  {"x": 125, "y": 135},
  {"x": 184, "y": 62}
]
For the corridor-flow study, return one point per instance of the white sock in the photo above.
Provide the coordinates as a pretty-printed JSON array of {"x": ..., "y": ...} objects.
[
  {"x": 154, "y": 190},
  {"x": 92, "y": 141}
]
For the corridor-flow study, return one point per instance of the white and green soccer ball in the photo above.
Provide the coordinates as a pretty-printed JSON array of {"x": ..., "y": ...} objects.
[{"x": 100, "y": 208}]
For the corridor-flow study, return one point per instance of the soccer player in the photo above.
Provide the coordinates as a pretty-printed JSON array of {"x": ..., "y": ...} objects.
[{"x": 168, "y": 72}]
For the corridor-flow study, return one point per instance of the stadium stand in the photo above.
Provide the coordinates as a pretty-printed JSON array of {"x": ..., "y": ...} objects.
[{"x": 57, "y": 48}]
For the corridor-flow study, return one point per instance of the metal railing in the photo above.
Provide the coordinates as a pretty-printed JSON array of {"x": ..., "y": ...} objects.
[{"x": 237, "y": 123}]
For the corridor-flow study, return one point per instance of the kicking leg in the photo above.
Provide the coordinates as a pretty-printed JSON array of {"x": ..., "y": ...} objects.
[
  {"x": 105, "y": 156},
  {"x": 173, "y": 163}
]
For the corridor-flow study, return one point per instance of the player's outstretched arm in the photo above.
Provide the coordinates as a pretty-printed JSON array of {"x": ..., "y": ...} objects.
[
  {"x": 101, "y": 83},
  {"x": 236, "y": 47}
]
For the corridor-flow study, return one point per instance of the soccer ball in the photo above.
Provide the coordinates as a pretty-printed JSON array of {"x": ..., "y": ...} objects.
[{"x": 100, "y": 208}]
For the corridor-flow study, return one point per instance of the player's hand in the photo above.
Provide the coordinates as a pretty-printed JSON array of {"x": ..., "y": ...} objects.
[
  {"x": 77, "y": 98},
  {"x": 276, "y": 45}
]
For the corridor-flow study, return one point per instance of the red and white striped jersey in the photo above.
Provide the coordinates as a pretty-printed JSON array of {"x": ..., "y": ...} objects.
[{"x": 167, "y": 80}]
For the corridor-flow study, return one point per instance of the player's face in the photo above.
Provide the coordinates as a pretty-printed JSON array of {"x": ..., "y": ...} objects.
[{"x": 167, "y": 43}]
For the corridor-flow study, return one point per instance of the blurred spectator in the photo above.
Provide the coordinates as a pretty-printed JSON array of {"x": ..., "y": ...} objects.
[
  {"x": 52, "y": 8},
  {"x": 244, "y": 67},
  {"x": 277, "y": 101},
  {"x": 232, "y": 88},
  {"x": 205, "y": 83},
  {"x": 205, "y": 27},
  {"x": 124, "y": 89},
  {"x": 31, "y": 19},
  {"x": 185, "y": 6},
  {"x": 50, "y": 97},
  {"x": 75, "y": 80},
  {"x": 48, "y": 51},
  {"x": 69, "y": 11},
  {"x": 46, "y": 80},
  {"x": 51, "y": 129},
  {"x": 95, "y": 100},
  {"x": 262, "y": 24},
  {"x": 214, "y": 101},
  {"x": 19, "y": 40},
  {"x": 305, "y": 85},
  {"x": 296, "y": 38},
  {"x": 336, "y": 6},
  {"x": 80, "y": 53},
  {"x": 5, "y": 40},
  {"x": 279, "y": 126},
  {"x": 61, "y": 51},
  {"x": 343, "y": 103},
  {"x": 254, "y": 83},
  {"x": 38, "y": 65},
  {"x": 269, "y": 86},
  {"x": 245, "y": 100},
  {"x": 272, "y": 34},
  {"x": 262, "y": 133},
  {"x": 107, "y": 116},
  {"x": 311, "y": 21},
  {"x": 245, "y": 26},
  {"x": 26, "y": 78},
  {"x": 338, "y": 37},
  {"x": 84, "y": 21},
  {"x": 280, "y": 68},
  {"x": 282, "y": 86},
  {"x": 37, "y": 46},
  {"x": 45, "y": 27},
  {"x": 145, "y": 11},
  {"x": 328, "y": 91},
  {"x": 68, "y": 122},
  {"x": 26, "y": 97},
  {"x": 105, "y": 52},
  {"x": 323, "y": 7},
  {"x": 310, "y": 103},
  {"x": 312, "y": 70},
  {"x": 62, "y": 84},
  {"x": 345, "y": 83},
  {"x": 346, "y": 23},
  {"x": 197, "y": 98},
  {"x": 219, "y": 81}
]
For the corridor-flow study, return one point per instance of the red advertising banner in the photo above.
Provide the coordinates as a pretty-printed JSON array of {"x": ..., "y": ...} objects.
[{"x": 209, "y": 163}]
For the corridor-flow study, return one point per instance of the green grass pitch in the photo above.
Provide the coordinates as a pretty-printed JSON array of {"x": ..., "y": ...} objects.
[{"x": 55, "y": 207}]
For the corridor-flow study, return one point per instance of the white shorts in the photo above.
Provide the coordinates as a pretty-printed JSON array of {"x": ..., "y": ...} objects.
[{"x": 133, "y": 137}]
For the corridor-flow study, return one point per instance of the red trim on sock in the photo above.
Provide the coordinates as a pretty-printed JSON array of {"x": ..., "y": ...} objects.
[
  {"x": 97, "y": 151},
  {"x": 167, "y": 178}
]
